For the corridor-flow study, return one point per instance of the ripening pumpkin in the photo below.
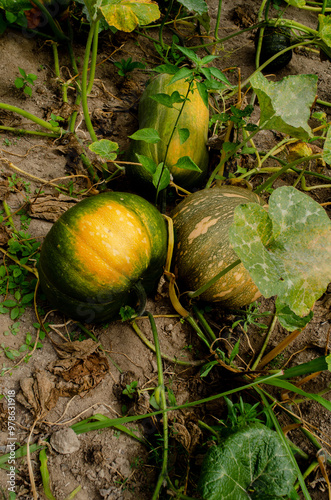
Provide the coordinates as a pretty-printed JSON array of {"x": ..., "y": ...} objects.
[
  {"x": 202, "y": 250},
  {"x": 152, "y": 114},
  {"x": 275, "y": 39},
  {"x": 96, "y": 253}
]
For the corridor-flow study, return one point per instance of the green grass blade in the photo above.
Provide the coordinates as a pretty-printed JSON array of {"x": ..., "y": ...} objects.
[
  {"x": 315, "y": 365},
  {"x": 45, "y": 474},
  {"x": 283, "y": 384}
]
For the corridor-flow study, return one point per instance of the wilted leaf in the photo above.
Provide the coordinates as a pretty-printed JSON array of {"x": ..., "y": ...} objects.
[
  {"x": 285, "y": 105},
  {"x": 252, "y": 463},
  {"x": 287, "y": 250},
  {"x": 126, "y": 15}
]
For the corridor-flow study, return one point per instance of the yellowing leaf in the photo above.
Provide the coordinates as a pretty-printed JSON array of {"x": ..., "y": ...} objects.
[
  {"x": 299, "y": 150},
  {"x": 126, "y": 15}
]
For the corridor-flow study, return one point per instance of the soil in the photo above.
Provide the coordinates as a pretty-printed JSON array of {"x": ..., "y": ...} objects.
[{"x": 109, "y": 464}]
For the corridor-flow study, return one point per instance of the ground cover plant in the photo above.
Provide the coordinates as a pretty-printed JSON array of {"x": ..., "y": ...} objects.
[{"x": 241, "y": 403}]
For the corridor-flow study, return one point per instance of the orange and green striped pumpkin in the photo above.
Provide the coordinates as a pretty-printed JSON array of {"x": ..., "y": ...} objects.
[
  {"x": 152, "y": 114},
  {"x": 201, "y": 224},
  {"x": 97, "y": 252}
]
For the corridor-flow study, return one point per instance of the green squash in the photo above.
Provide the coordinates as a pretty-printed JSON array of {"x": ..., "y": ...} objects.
[
  {"x": 201, "y": 222},
  {"x": 275, "y": 39},
  {"x": 194, "y": 117},
  {"x": 96, "y": 253}
]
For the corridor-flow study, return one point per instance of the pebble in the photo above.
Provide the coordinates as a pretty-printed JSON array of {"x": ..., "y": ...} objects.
[{"x": 65, "y": 441}]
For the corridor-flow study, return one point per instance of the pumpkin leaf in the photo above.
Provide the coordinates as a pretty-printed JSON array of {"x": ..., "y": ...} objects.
[
  {"x": 168, "y": 100},
  {"x": 126, "y": 15},
  {"x": 161, "y": 177},
  {"x": 188, "y": 164},
  {"x": 15, "y": 7},
  {"x": 296, "y": 3},
  {"x": 251, "y": 463},
  {"x": 290, "y": 115},
  {"x": 327, "y": 147},
  {"x": 287, "y": 251},
  {"x": 324, "y": 29},
  {"x": 198, "y": 6},
  {"x": 147, "y": 163},
  {"x": 289, "y": 320},
  {"x": 149, "y": 135},
  {"x": 105, "y": 148},
  {"x": 184, "y": 134}
]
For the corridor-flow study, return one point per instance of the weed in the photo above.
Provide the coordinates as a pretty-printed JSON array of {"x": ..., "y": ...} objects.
[
  {"x": 24, "y": 81},
  {"x": 251, "y": 316},
  {"x": 125, "y": 66},
  {"x": 130, "y": 389}
]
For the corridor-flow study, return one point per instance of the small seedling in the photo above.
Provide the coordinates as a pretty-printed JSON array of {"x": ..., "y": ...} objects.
[
  {"x": 24, "y": 81},
  {"x": 250, "y": 317},
  {"x": 55, "y": 120},
  {"x": 126, "y": 66},
  {"x": 130, "y": 389}
]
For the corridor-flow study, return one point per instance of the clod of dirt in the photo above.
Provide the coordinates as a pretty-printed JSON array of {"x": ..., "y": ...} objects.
[{"x": 65, "y": 441}]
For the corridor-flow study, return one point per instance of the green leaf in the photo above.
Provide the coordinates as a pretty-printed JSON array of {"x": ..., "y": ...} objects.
[
  {"x": 287, "y": 250},
  {"x": 181, "y": 74},
  {"x": 9, "y": 303},
  {"x": 190, "y": 54},
  {"x": 203, "y": 92},
  {"x": 15, "y": 6},
  {"x": 168, "y": 100},
  {"x": 161, "y": 178},
  {"x": 187, "y": 163},
  {"x": 327, "y": 147},
  {"x": 105, "y": 148},
  {"x": 184, "y": 134},
  {"x": 217, "y": 73},
  {"x": 28, "y": 91},
  {"x": 328, "y": 360},
  {"x": 251, "y": 463},
  {"x": 198, "y": 6},
  {"x": 149, "y": 135},
  {"x": 283, "y": 384},
  {"x": 285, "y": 105},
  {"x": 14, "y": 313},
  {"x": 324, "y": 29},
  {"x": 19, "y": 82},
  {"x": 289, "y": 320},
  {"x": 147, "y": 163},
  {"x": 170, "y": 69},
  {"x": 126, "y": 15},
  {"x": 296, "y": 3}
]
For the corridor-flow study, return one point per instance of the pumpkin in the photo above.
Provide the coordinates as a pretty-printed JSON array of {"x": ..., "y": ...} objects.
[
  {"x": 275, "y": 39},
  {"x": 152, "y": 114},
  {"x": 202, "y": 249},
  {"x": 98, "y": 251}
]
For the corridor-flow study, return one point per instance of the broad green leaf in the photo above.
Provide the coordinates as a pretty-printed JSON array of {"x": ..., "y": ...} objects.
[
  {"x": 217, "y": 73},
  {"x": 184, "y": 134},
  {"x": 149, "y": 135},
  {"x": 327, "y": 147},
  {"x": 168, "y": 100},
  {"x": 190, "y": 54},
  {"x": 287, "y": 250},
  {"x": 161, "y": 178},
  {"x": 105, "y": 148},
  {"x": 147, "y": 163},
  {"x": 186, "y": 163},
  {"x": 181, "y": 74},
  {"x": 9, "y": 303},
  {"x": 198, "y": 6},
  {"x": 324, "y": 29},
  {"x": 289, "y": 320},
  {"x": 285, "y": 105},
  {"x": 126, "y": 15},
  {"x": 203, "y": 92},
  {"x": 93, "y": 7},
  {"x": 170, "y": 69},
  {"x": 252, "y": 463},
  {"x": 15, "y": 6}
]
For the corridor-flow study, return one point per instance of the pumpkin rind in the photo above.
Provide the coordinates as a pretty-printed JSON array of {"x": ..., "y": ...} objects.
[
  {"x": 275, "y": 39},
  {"x": 202, "y": 249},
  {"x": 96, "y": 252},
  {"x": 194, "y": 117}
]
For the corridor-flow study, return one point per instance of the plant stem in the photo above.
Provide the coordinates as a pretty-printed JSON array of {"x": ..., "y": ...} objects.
[
  {"x": 30, "y": 116},
  {"x": 286, "y": 167},
  {"x": 94, "y": 54},
  {"x": 218, "y": 19},
  {"x": 204, "y": 323},
  {"x": 22, "y": 131},
  {"x": 265, "y": 343},
  {"x": 163, "y": 405},
  {"x": 84, "y": 93},
  {"x": 219, "y": 275}
]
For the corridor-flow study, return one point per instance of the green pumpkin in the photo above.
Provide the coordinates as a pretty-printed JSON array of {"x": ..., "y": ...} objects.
[
  {"x": 201, "y": 222},
  {"x": 152, "y": 114},
  {"x": 275, "y": 39},
  {"x": 96, "y": 253}
]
